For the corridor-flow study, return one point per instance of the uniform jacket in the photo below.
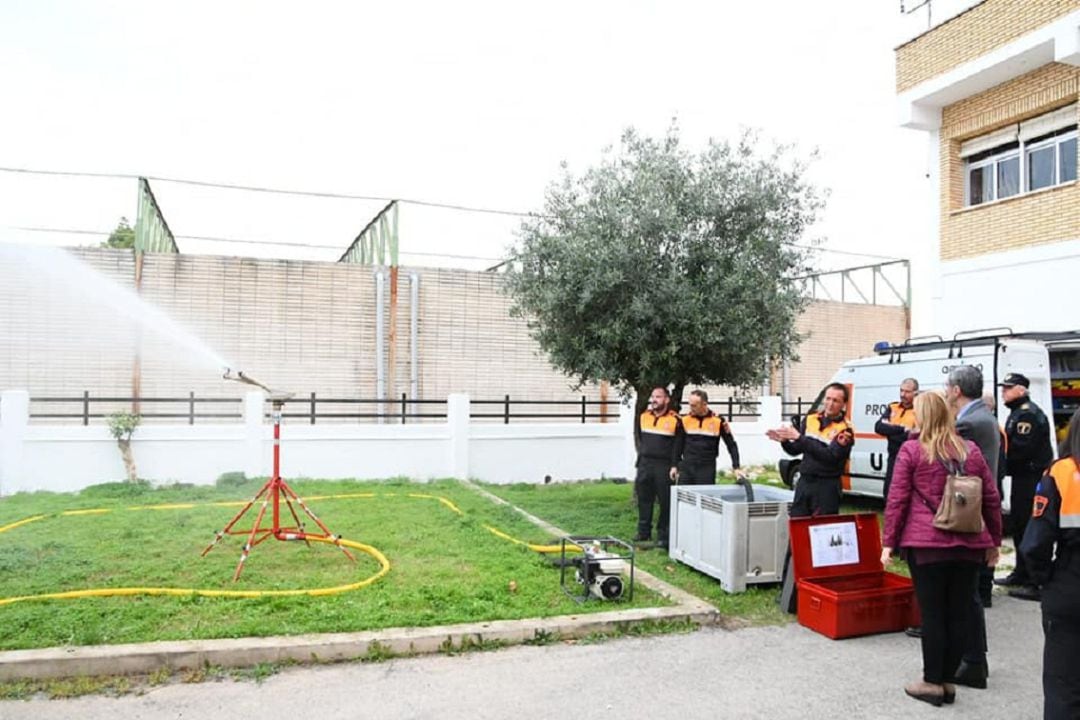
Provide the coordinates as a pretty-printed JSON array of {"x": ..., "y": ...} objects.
[
  {"x": 909, "y": 516},
  {"x": 1028, "y": 430},
  {"x": 1055, "y": 520},
  {"x": 661, "y": 437},
  {"x": 894, "y": 425},
  {"x": 703, "y": 436},
  {"x": 823, "y": 456}
]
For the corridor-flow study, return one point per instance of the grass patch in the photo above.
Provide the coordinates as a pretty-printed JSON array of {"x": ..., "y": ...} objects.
[
  {"x": 65, "y": 688},
  {"x": 446, "y": 568}
]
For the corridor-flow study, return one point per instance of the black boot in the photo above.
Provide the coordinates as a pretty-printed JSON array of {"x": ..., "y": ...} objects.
[{"x": 972, "y": 674}]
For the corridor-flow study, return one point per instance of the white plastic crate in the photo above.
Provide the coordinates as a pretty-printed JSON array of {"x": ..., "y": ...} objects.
[{"x": 714, "y": 530}]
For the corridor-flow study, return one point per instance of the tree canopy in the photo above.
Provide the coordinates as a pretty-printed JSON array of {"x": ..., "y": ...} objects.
[
  {"x": 659, "y": 266},
  {"x": 122, "y": 237}
]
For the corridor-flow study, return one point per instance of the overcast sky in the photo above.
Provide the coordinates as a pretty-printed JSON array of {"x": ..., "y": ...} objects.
[{"x": 471, "y": 103}]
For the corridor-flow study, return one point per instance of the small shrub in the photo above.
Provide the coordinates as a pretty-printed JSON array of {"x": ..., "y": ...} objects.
[{"x": 230, "y": 479}]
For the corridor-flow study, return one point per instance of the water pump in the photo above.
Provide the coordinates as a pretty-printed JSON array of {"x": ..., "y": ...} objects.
[{"x": 599, "y": 569}]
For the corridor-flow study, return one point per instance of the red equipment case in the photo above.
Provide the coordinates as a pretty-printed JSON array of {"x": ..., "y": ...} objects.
[{"x": 843, "y": 589}]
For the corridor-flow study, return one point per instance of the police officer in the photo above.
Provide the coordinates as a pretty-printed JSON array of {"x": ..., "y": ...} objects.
[
  {"x": 896, "y": 424},
  {"x": 825, "y": 444},
  {"x": 659, "y": 448},
  {"x": 1029, "y": 454},
  {"x": 1055, "y": 520},
  {"x": 704, "y": 431}
]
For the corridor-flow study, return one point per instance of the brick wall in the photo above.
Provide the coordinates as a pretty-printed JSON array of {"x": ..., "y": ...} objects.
[
  {"x": 838, "y": 332},
  {"x": 971, "y": 34},
  {"x": 310, "y": 327},
  {"x": 1042, "y": 217}
]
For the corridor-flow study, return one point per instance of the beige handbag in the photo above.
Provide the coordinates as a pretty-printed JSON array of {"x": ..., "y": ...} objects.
[
  {"x": 961, "y": 504},
  {"x": 960, "y": 509}
]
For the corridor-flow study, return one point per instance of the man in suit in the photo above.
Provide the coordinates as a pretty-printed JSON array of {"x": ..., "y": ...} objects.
[{"x": 963, "y": 391}]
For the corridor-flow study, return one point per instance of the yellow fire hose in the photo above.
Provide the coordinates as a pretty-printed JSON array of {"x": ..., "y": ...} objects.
[{"x": 384, "y": 564}]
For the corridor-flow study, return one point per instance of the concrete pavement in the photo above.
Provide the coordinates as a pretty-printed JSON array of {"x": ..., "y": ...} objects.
[{"x": 771, "y": 673}]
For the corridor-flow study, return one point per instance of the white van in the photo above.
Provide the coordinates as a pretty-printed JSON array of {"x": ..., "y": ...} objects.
[{"x": 1050, "y": 360}]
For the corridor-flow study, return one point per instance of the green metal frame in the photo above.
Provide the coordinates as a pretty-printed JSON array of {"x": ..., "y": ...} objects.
[
  {"x": 378, "y": 237},
  {"x": 152, "y": 233}
]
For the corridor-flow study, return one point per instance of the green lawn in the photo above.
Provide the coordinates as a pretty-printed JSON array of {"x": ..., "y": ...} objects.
[
  {"x": 446, "y": 567},
  {"x": 608, "y": 508}
]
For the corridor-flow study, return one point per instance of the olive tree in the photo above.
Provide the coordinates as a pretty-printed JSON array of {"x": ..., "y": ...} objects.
[{"x": 661, "y": 266}]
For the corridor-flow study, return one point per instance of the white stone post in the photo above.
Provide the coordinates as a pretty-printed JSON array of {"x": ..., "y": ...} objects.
[
  {"x": 14, "y": 419},
  {"x": 254, "y": 430},
  {"x": 457, "y": 421},
  {"x": 771, "y": 411}
]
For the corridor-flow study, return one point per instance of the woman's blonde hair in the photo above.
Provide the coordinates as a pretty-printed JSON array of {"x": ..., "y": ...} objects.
[{"x": 937, "y": 429}]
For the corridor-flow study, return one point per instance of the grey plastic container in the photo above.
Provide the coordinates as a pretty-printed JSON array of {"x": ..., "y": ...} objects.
[{"x": 715, "y": 530}]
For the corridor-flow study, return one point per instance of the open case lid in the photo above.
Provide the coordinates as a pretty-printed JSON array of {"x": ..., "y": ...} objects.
[{"x": 835, "y": 545}]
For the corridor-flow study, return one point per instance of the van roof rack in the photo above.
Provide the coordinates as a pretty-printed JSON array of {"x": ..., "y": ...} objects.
[{"x": 967, "y": 338}]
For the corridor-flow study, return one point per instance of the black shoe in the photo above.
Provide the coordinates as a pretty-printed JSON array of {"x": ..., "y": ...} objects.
[
  {"x": 1010, "y": 580},
  {"x": 662, "y": 544},
  {"x": 1026, "y": 592},
  {"x": 914, "y": 631},
  {"x": 640, "y": 537},
  {"x": 926, "y": 692},
  {"x": 987, "y": 601},
  {"x": 972, "y": 675}
]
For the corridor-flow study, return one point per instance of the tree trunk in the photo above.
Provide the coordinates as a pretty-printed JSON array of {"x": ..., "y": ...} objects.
[
  {"x": 641, "y": 402},
  {"x": 129, "y": 460},
  {"x": 676, "y": 397}
]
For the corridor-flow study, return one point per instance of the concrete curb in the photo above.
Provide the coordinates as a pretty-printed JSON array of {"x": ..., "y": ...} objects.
[{"x": 140, "y": 658}]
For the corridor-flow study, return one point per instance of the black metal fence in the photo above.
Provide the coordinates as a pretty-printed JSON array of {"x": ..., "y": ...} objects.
[
  {"x": 312, "y": 409},
  {"x": 398, "y": 410},
  {"x": 89, "y": 407},
  {"x": 508, "y": 409},
  {"x": 797, "y": 406}
]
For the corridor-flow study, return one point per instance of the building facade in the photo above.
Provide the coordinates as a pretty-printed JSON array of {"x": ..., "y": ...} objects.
[{"x": 994, "y": 85}]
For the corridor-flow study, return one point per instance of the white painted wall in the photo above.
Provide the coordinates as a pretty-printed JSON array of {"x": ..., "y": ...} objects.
[
  {"x": 69, "y": 458},
  {"x": 1030, "y": 289}
]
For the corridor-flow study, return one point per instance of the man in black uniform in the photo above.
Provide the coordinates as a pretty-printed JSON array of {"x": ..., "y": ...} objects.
[
  {"x": 659, "y": 448},
  {"x": 1055, "y": 520},
  {"x": 1029, "y": 454},
  {"x": 825, "y": 444},
  {"x": 704, "y": 430},
  {"x": 895, "y": 426}
]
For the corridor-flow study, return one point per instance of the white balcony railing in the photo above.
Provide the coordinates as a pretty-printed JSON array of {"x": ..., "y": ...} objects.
[{"x": 920, "y": 16}]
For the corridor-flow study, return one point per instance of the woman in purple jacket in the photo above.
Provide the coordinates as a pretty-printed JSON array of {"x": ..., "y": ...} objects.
[{"x": 944, "y": 564}]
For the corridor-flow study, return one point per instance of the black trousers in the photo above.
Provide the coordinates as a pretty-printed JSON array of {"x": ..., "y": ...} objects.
[
  {"x": 1021, "y": 498},
  {"x": 1061, "y": 658},
  {"x": 816, "y": 496},
  {"x": 813, "y": 496},
  {"x": 697, "y": 473},
  {"x": 653, "y": 484},
  {"x": 944, "y": 591},
  {"x": 975, "y": 653}
]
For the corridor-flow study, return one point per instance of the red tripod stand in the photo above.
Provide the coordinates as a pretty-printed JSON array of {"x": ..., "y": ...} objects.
[{"x": 272, "y": 494}]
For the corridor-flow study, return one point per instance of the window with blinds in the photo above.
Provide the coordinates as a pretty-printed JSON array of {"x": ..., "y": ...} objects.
[{"x": 1020, "y": 158}]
